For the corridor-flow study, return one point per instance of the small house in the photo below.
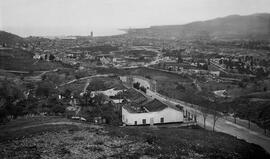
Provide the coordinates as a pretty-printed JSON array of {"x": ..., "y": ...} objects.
[{"x": 151, "y": 113}]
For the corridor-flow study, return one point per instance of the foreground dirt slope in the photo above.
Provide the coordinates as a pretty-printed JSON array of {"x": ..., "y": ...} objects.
[{"x": 61, "y": 138}]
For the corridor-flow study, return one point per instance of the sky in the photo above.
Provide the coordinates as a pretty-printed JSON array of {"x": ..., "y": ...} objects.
[{"x": 104, "y": 17}]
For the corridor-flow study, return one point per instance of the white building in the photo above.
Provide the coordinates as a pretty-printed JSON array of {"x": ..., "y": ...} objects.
[
  {"x": 153, "y": 112},
  {"x": 215, "y": 73},
  {"x": 109, "y": 92}
]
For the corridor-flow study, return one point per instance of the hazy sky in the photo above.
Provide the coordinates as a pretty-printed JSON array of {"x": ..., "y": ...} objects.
[{"x": 79, "y": 17}]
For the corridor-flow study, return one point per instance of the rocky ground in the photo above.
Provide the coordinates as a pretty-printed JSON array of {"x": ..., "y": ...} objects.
[
  {"x": 61, "y": 138},
  {"x": 82, "y": 142}
]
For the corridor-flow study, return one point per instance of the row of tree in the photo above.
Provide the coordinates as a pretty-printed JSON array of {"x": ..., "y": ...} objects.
[
  {"x": 239, "y": 108},
  {"x": 18, "y": 101},
  {"x": 138, "y": 87}
]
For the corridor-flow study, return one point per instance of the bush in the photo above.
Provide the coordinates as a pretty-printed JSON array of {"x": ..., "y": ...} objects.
[
  {"x": 142, "y": 88},
  {"x": 180, "y": 87},
  {"x": 58, "y": 109},
  {"x": 78, "y": 138},
  {"x": 61, "y": 150},
  {"x": 3, "y": 115},
  {"x": 136, "y": 85},
  {"x": 94, "y": 148},
  {"x": 44, "y": 89},
  {"x": 150, "y": 139},
  {"x": 99, "y": 142}
]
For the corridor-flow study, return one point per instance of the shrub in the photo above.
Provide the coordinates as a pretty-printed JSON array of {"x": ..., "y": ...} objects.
[
  {"x": 62, "y": 150},
  {"x": 150, "y": 139},
  {"x": 180, "y": 87},
  {"x": 94, "y": 148},
  {"x": 99, "y": 142},
  {"x": 78, "y": 138},
  {"x": 136, "y": 85},
  {"x": 143, "y": 89}
]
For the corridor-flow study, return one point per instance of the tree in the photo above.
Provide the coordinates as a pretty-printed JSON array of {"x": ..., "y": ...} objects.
[
  {"x": 234, "y": 117},
  {"x": 87, "y": 98},
  {"x": 195, "y": 114},
  {"x": 30, "y": 105},
  {"x": 215, "y": 113},
  {"x": 264, "y": 118},
  {"x": 110, "y": 115},
  {"x": 205, "y": 112},
  {"x": 58, "y": 108},
  {"x": 44, "y": 89},
  {"x": 43, "y": 77},
  {"x": 97, "y": 102},
  {"x": 51, "y": 57},
  {"x": 3, "y": 115},
  {"x": 216, "y": 116},
  {"x": 234, "y": 108},
  {"x": 248, "y": 113},
  {"x": 54, "y": 77},
  {"x": 67, "y": 93},
  {"x": 260, "y": 73},
  {"x": 99, "y": 99},
  {"x": 142, "y": 88},
  {"x": 264, "y": 124},
  {"x": 15, "y": 110},
  {"x": 136, "y": 85},
  {"x": 10, "y": 95},
  {"x": 179, "y": 60}
]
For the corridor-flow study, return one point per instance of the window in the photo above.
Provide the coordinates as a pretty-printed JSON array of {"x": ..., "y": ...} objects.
[
  {"x": 135, "y": 122},
  {"x": 161, "y": 120},
  {"x": 144, "y": 121}
]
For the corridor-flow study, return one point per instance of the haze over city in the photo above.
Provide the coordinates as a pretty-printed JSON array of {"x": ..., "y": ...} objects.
[{"x": 79, "y": 17}]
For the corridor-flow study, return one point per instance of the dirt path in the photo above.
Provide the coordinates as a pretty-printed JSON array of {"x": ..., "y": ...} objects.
[
  {"x": 43, "y": 124},
  {"x": 87, "y": 77}
]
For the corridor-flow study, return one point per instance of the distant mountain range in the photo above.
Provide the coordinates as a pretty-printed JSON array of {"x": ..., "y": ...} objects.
[
  {"x": 255, "y": 27},
  {"x": 248, "y": 27}
]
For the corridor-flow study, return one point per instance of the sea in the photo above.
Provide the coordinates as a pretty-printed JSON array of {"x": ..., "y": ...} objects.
[{"x": 63, "y": 31}]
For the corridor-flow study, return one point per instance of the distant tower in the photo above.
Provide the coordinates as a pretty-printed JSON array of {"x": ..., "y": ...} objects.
[{"x": 92, "y": 34}]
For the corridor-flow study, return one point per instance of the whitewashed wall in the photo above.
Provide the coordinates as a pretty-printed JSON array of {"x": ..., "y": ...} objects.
[
  {"x": 123, "y": 78},
  {"x": 169, "y": 115}
]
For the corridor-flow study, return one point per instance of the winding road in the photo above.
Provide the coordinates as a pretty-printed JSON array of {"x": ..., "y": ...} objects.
[
  {"x": 83, "y": 78},
  {"x": 222, "y": 125}
]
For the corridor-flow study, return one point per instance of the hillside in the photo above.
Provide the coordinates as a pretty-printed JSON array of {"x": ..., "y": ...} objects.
[
  {"x": 16, "y": 55},
  {"x": 56, "y": 137},
  {"x": 255, "y": 26},
  {"x": 21, "y": 60},
  {"x": 11, "y": 39}
]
